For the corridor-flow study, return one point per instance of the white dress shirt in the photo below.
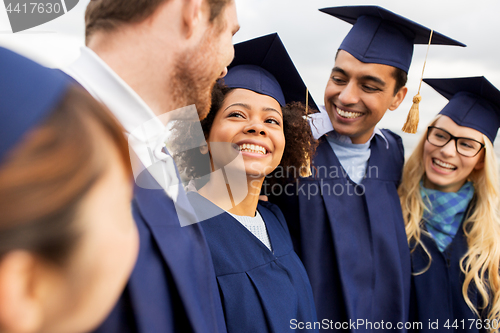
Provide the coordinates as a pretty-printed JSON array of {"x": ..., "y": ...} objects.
[
  {"x": 321, "y": 124},
  {"x": 353, "y": 157}
]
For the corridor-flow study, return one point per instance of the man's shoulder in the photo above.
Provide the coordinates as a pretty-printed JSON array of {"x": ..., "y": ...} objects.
[
  {"x": 388, "y": 133},
  {"x": 153, "y": 208},
  {"x": 394, "y": 140},
  {"x": 393, "y": 158}
]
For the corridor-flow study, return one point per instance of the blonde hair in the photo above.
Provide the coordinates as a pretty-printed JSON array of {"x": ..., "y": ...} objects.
[{"x": 482, "y": 227}]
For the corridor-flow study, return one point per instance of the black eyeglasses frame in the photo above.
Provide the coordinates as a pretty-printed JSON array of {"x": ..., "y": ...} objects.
[{"x": 456, "y": 138}]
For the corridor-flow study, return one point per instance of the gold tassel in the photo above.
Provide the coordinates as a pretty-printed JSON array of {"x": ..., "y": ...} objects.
[
  {"x": 411, "y": 124},
  {"x": 305, "y": 170},
  {"x": 307, "y": 101}
]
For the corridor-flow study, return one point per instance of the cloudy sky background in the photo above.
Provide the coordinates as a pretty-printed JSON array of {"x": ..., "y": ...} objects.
[{"x": 312, "y": 39}]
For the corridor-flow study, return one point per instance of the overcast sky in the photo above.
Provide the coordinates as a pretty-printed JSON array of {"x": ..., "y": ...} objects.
[{"x": 312, "y": 39}]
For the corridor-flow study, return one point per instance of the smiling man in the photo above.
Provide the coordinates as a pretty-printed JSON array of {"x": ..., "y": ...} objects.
[
  {"x": 145, "y": 58},
  {"x": 346, "y": 218},
  {"x": 358, "y": 95}
]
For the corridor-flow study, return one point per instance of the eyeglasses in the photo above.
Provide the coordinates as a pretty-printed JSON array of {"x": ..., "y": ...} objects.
[{"x": 465, "y": 146}]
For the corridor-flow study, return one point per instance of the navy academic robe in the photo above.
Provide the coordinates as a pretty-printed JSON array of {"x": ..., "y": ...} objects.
[
  {"x": 261, "y": 291},
  {"x": 352, "y": 239},
  {"x": 172, "y": 287},
  {"x": 437, "y": 293}
]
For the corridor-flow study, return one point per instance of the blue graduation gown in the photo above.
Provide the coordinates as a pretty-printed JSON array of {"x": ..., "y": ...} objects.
[
  {"x": 351, "y": 238},
  {"x": 261, "y": 291},
  {"x": 437, "y": 293},
  {"x": 172, "y": 287}
]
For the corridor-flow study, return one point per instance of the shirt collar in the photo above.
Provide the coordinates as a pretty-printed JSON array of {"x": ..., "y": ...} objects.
[
  {"x": 320, "y": 125},
  {"x": 110, "y": 89}
]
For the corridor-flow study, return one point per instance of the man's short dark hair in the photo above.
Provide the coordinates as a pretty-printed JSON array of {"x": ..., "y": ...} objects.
[
  {"x": 401, "y": 77},
  {"x": 106, "y": 15}
]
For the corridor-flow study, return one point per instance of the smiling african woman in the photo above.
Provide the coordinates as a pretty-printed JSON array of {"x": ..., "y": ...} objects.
[{"x": 251, "y": 131}]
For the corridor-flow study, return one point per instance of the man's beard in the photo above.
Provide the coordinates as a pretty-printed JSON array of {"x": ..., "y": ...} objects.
[{"x": 194, "y": 77}]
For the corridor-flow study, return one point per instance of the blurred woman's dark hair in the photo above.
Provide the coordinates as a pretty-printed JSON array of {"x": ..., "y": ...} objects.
[{"x": 43, "y": 179}]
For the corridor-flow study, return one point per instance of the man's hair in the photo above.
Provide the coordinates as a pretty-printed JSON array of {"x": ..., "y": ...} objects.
[
  {"x": 107, "y": 15},
  {"x": 401, "y": 77}
]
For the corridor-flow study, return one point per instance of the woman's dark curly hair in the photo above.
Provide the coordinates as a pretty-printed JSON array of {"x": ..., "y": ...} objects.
[{"x": 300, "y": 145}]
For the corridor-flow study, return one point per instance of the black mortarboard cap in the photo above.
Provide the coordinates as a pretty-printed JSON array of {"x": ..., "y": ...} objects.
[
  {"x": 263, "y": 65},
  {"x": 383, "y": 37},
  {"x": 473, "y": 102}
]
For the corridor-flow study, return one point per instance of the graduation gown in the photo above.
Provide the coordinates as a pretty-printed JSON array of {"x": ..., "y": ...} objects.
[
  {"x": 172, "y": 287},
  {"x": 351, "y": 238},
  {"x": 437, "y": 293},
  {"x": 261, "y": 291}
]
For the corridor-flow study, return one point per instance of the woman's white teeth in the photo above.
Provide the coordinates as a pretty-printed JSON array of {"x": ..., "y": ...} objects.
[
  {"x": 250, "y": 148},
  {"x": 443, "y": 164},
  {"x": 349, "y": 114}
]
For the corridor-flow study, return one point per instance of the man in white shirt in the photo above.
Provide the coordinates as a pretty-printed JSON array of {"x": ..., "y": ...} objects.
[{"x": 144, "y": 59}]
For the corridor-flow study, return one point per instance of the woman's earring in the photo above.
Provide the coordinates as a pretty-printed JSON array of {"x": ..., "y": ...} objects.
[{"x": 204, "y": 149}]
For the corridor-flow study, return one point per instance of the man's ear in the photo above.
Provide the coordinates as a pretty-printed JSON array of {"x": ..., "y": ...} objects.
[
  {"x": 398, "y": 98},
  {"x": 21, "y": 309},
  {"x": 192, "y": 15}
]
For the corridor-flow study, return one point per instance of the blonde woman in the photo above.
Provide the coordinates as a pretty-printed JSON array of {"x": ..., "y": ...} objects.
[{"x": 450, "y": 199}]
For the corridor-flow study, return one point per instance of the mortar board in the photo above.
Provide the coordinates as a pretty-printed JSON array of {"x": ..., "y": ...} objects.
[
  {"x": 383, "y": 37},
  {"x": 264, "y": 66},
  {"x": 473, "y": 102},
  {"x": 29, "y": 92}
]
